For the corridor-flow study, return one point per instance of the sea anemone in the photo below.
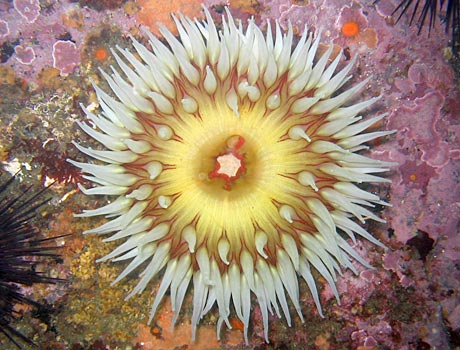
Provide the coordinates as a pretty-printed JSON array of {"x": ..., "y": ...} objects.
[
  {"x": 234, "y": 162},
  {"x": 21, "y": 250}
]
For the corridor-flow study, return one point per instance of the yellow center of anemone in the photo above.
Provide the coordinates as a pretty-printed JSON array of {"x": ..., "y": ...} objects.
[{"x": 233, "y": 209}]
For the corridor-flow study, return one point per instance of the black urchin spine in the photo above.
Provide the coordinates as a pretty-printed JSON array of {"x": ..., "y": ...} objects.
[{"x": 21, "y": 248}]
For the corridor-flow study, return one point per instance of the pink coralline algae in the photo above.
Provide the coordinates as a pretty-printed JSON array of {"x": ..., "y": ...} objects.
[
  {"x": 51, "y": 23},
  {"x": 66, "y": 56},
  {"x": 417, "y": 123},
  {"x": 4, "y": 28},
  {"x": 425, "y": 195},
  {"x": 25, "y": 55},
  {"x": 28, "y": 9},
  {"x": 394, "y": 261}
]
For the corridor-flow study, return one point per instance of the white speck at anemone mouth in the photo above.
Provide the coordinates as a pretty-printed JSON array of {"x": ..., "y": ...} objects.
[{"x": 235, "y": 159}]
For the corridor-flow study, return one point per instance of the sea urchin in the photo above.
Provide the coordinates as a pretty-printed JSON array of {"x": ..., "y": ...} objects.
[
  {"x": 21, "y": 250},
  {"x": 233, "y": 159}
]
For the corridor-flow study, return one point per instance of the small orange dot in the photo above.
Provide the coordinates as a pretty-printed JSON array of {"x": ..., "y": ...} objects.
[
  {"x": 350, "y": 29},
  {"x": 156, "y": 330},
  {"x": 413, "y": 177},
  {"x": 100, "y": 54}
]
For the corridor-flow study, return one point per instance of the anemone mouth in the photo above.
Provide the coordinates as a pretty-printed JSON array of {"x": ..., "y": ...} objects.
[{"x": 234, "y": 161}]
